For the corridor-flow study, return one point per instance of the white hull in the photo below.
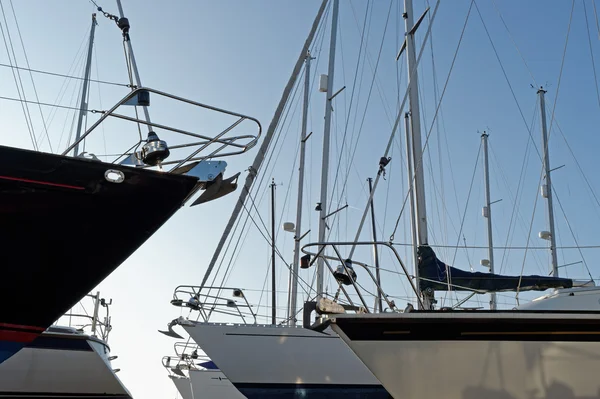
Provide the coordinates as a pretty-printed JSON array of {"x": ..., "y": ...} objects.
[
  {"x": 474, "y": 369},
  {"x": 212, "y": 384},
  {"x": 183, "y": 386},
  {"x": 270, "y": 361},
  {"x": 64, "y": 365},
  {"x": 580, "y": 298},
  {"x": 263, "y": 360}
]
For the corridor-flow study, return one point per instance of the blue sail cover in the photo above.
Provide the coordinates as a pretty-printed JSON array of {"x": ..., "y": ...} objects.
[{"x": 434, "y": 275}]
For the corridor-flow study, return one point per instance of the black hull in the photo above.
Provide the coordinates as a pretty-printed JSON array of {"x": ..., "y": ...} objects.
[
  {"x": 539, "y": 326},
  {"x": 65, "y": 228},
  {"x": 35, "y": 395}
]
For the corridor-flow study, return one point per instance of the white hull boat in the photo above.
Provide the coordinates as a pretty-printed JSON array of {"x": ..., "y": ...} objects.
[
  {"x": 282, "y": 361},
  {"x": 264, "y": 361},
  {"x": 471, "y": 355},
  {"x": 61, "y": 363}
]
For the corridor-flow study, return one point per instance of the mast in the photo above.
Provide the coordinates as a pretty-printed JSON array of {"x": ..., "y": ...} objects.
[
  {"x": 417, "y": 148},
  {"x": 123, "y": 23},
  {"x": 295, "y": 268},
  {"x": 86, "y": 83},
  {"x": 273, "y": 284},
  {"x": 375, "y": 251},
  {"x": 487, "y": 212},
  {"x": 260, "y": 156},
  {"x": 326, "y": 138},
  {"x": 411, "y": 194},
  {"x": 547, "y": 188}
]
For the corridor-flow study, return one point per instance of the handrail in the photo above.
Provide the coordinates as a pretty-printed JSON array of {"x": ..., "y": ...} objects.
[
  {"x": 199, "y": 299},
  {"x": 334, "y": 245},
  {"x": 241, "y": 142}
]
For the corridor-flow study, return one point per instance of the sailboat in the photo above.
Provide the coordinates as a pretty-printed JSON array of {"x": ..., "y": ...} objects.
[
  {"x": 546, "y": 349},
  {"x": 540, "y": 352},
  {"x": 288, "y": 353},
  {"x": 305, "y": 362},
  {"x": 66, "y": 361},
  {"x": 512, "y": 354},
  {"x": 60, "y": 210}
]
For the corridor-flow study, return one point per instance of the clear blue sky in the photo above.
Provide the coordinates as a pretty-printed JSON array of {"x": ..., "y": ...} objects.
[{"x": 238, "y": 55}]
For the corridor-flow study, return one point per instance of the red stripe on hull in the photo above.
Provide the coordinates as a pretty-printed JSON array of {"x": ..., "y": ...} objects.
[
  {"x": 18, "y": 336},
  {"x": 45, "y": 183},
  {"x": 21, "y": 327}
]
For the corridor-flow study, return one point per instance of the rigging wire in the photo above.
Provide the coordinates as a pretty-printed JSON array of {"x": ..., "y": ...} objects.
[
  {"x": 270, "y": 242},
  {"x": 100, "y": 103},
  {"x": 551, "y": 123},
  {"x": 556, "y": 98},
  {"x": 368, "y": 99},
  {"x": 462, "y": 222},
  {"x": 578, "y": 164},
  {"x": 349, "y": 110},
  {"x": 594, "y": 246},
  {"x": 439, "y": 137},
  {"x": 352, "y": 96},
  {"x": 596, "y": 15},
  {"x": 366, "y": 30},
  {"x": 378, "y": 85},
  {"x": 587, "y": 25},
  {"x": 269, "y": 159},
  {"x": 67, "y": 76},
  {"x": 572, "y": 234},
  {"x": 42, "y": 103},
  {"x": 273, "y": 146},
  {"x": 529, "y": 236},
  {"x": 562, "y": 65},
  {"x": 510, "y": 86},
  {"x": 18, "y": 81},
  {"x": 75, "y": 97},
  {"x": 30, "y": 74},
  {"x": 235, "y": 253},
  {"x": 239, "y": 241},
  {"x": 507, "y": 80},
  {"x": 515, "y": 43},
  {"x": 66, "y": 82},
  {"x": 74, "y": 117},
  {"x": 515, "y": 214}
]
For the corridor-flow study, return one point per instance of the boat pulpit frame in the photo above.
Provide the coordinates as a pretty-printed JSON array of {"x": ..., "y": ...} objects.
[
  {"x": 92, "y": 324},
  {"x": 320, "y": 253},
  {"x": 209, "y": 300},
  {"x": 186, "y": 357},
  {"x": 191, "y": 155}
]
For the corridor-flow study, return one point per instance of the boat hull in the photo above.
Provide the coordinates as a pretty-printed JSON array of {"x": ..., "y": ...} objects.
[
  {"x": 61, "y": 366},
  {"x": 212, "y": 384},
  {"x": 67, "y": 224},
  {"x": 483, "y": 355},
  {"x": 286, "y": 362},
  {"x": 183, "y": 386}
]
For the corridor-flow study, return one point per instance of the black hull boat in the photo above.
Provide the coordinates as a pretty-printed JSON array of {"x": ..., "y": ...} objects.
[{"x": 67, "y": 224}]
